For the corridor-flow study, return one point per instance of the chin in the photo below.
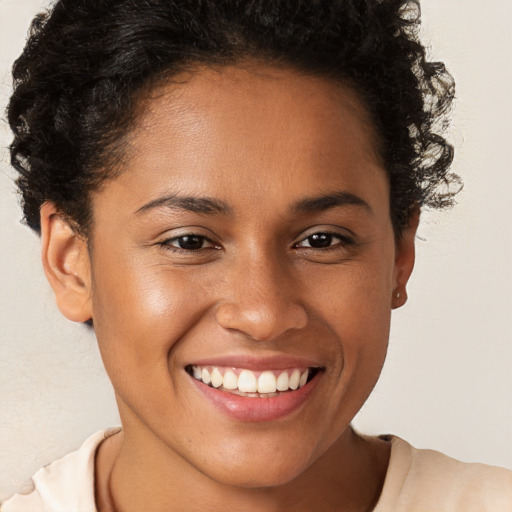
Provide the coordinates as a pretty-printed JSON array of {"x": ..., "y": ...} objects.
[
  {"x": 263, "y": 476},
  {"x": 261, "y": 467}
]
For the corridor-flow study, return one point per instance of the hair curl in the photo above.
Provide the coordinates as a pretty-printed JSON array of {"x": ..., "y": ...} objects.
[{"x": 86, "y": 64}]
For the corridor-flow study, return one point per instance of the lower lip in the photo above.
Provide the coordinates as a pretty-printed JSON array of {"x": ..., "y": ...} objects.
[{"x": 253, "y": 409}]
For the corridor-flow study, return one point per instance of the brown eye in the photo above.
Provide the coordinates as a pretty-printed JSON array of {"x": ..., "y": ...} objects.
[
  {"x": 324, "y": 240},
  {"x": 189, "y": 242},
  {"x": 320, "y": 240}
]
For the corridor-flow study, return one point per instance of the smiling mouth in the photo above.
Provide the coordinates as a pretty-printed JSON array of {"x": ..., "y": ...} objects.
[{"x": 254, "y": 384}]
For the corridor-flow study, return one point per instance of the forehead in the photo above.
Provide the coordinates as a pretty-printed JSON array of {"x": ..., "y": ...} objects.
[
  {"x": 253, "y": 96},
  {"x": 244, "y": 130}
]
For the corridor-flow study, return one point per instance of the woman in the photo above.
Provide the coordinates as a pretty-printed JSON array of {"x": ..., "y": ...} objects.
[{"x": 228, "y": 193}]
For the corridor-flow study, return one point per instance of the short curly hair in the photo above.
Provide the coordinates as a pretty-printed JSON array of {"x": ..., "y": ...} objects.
[{"x": 87, "y": 64}]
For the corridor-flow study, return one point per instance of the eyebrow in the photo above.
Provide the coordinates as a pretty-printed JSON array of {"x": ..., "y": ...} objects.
[
  {"x": 204, "y": 205},
  {"x": 326, "y": 201},
  {"x": 211, "y": 206}
]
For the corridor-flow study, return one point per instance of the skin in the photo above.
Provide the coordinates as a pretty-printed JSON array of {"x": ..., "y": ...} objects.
[{"x": 262, "y": 141}]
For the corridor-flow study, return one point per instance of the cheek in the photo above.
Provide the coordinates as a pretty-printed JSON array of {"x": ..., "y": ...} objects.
[
  {"x": 354, "y": 297},
  {"x": 140, "y": 313},
  {"x": 354, "y": 303}
]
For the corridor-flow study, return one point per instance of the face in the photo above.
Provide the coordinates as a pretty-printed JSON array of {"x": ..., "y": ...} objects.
[{"x": 245, "y": 249}]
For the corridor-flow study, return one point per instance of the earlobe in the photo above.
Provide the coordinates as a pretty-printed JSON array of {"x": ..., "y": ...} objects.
[
  {"x": 66, "y": 264},
  {"x": 404, "y": 260}
]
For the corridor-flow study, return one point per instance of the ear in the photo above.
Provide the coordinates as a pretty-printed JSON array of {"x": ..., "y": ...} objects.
[
  {"x": 66, "y": 264},
  {"x": 404, "y": 260}
]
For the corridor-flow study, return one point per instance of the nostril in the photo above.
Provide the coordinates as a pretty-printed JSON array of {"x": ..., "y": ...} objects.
[{"x": 261, "y": 321}]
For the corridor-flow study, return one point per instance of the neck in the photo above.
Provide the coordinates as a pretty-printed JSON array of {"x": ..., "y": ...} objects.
[{"x": 349, "y": 476}]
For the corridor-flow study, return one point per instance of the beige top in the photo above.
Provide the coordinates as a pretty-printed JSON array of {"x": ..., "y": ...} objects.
[
  {"x": 429, "y": 481},
  {"x": 416, "y": 481}
]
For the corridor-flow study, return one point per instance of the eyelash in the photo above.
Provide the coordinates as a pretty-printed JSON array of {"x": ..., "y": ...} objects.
[
  {"x": 344, "y": 241},
  {"x": 166, "y": 244}
]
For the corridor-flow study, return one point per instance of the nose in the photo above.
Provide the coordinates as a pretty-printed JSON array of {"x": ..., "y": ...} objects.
[{"x": 261, "y": 302}]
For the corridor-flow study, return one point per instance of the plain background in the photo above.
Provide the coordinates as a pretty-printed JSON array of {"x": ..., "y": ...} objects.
[{"x": 447, "y": 382}]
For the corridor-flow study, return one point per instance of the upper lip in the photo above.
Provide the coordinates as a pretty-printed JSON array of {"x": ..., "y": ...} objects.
[{"x": 277, "y": 362}]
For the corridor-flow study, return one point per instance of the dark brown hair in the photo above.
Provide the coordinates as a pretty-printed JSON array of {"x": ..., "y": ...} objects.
[{"x": 86, "y": 62}]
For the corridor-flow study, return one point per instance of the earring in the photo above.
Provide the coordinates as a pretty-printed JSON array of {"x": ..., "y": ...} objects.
[{"x": 399, "y": 298}]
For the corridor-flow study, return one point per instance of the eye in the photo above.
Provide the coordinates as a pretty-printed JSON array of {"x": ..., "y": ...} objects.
[
  {"x": 189, "y": 242},
  {"x": 324, "y": 240}
]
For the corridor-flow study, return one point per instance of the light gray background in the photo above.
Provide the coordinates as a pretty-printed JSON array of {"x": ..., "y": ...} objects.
[{"x": 447, "y": 382}]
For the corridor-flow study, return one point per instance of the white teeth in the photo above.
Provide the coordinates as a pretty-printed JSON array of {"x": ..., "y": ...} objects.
[
  {"x": 294, "y": 380},
  {"x": 247, "y": 382},
  {"x": 205, "y": 376},
  {"x": 283, "y": 382},
  {"x": 267, "y": 383},
  {"x": 230, "y": 380},
  {"x": 217, "y": 379},
  {"x": 303, "y": 378}
]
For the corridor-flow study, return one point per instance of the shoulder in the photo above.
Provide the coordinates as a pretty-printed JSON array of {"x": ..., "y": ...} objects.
[
  {"x": 426, "y": 480},
  {"x": 66, "y": 484}
]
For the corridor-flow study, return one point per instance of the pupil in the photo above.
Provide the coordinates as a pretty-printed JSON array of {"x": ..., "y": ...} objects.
[
  {"x": 320, "y": 240},
  {"x": 191, "y": 242}
]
